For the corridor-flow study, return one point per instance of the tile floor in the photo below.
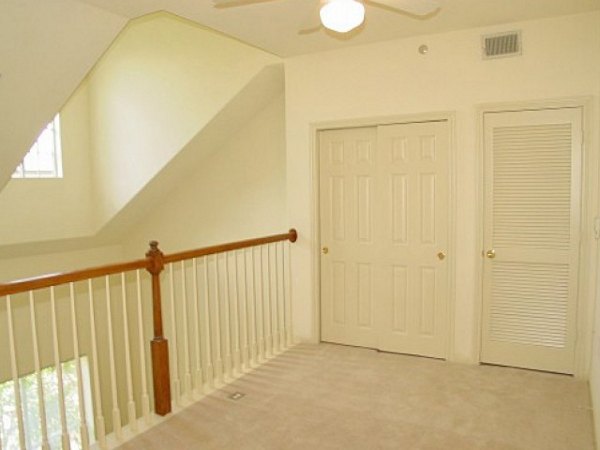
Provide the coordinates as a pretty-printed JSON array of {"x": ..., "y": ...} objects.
[{"x": 335, "y": 397}]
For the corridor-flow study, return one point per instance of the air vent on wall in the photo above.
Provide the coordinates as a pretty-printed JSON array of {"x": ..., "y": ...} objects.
[{"x": 501, "y": 45}]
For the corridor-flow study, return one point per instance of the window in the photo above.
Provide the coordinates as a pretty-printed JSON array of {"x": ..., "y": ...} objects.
[
  {"x": 9, "y": 427},
  {"x": 44, "y": 159}
]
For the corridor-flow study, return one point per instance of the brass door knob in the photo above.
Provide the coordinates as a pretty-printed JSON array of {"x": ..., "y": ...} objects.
[
  {"x": 490, "y": 254},
  {"x": 325, "y": 250},
  {"x": 441, "y": 256}
]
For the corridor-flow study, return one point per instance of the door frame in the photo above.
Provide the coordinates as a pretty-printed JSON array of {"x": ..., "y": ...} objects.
[
  {"x": 315, "y": 128},
  {"x": 589, "y": 209}
]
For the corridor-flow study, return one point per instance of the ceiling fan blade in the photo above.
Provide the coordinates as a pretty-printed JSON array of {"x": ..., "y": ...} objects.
[
  {"x": 312, "y": 24},
  {"x": 416, "y": 7},
  {"x": 234, "y": 3},
  {"x": 310, "y": 30}
]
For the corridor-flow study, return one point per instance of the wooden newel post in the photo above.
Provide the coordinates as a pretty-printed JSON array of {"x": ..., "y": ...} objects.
[{"x": 159, "y": 345}]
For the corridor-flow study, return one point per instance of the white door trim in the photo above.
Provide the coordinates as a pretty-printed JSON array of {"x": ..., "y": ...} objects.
[
  {"x": 315, "y": 128},
  {"x": 589, "y": 209}
]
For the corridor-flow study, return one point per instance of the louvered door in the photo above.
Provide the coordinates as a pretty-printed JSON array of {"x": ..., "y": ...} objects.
[{"x": 531, "y": 238}]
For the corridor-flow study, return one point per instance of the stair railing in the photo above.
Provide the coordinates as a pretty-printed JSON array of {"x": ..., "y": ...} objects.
[{"x": 239, "y": 315}]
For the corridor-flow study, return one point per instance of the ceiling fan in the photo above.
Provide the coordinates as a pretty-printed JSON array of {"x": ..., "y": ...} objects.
[{"x": 345, "y": 15}]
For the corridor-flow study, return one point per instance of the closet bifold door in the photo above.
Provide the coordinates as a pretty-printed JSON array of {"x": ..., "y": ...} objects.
[
  {"x": 532, "y": 207},
  {"x": 384, "y": 222}
]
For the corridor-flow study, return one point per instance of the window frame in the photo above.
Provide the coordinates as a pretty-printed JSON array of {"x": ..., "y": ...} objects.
[{"x": 23, "y": 172}]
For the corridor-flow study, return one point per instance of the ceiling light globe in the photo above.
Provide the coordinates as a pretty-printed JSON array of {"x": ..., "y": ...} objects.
[{"x": 342, "y": 15}]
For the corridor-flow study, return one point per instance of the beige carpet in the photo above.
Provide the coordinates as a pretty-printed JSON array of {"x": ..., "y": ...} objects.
[{"x": 334, "y": 397}]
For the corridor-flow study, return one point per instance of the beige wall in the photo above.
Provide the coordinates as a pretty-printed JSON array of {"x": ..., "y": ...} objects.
[
  {"x": 560, "y": 59},
  {"x": 160, "y": 83},
  {"x": 28, "y": 266},
  {"x": 235, "y": 193},
  {"x": 39, "y": 209}
]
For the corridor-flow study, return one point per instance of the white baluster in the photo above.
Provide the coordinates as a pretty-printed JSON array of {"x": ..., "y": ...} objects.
[
  {"x": 274, "y": 306},
  {"x": 250, "y": 308},
  {"x": 266, "y": 301},
  {"x": 131, "y": 415},
  {"x": 235, "y": 318},
  {"x": 15, "y": 373},
  {"x": 198, "y": 373},
  {"x": 260, "y": 330},
  {"x": 279, "y": 300},
  {"x": 217, "y": 328},
  {"x": 116, "y": 413},
  {"x": 187, "y": 378},
  {"x": 207, "y": 333},
  {"x": 83, "y": 429},
  {"x": 243, "y": 310},
  {"x": 66, "y": 441},
  {"x": 38, "y": 374},
  {"x": 280, "y": 293},
  {"x": 100, "y": 428},
  {"x": 288, "y": 293},
  {"x": 173, "y": 338},
  {"x": 145, "y": 397},
  {"x": 227, "y": 317}
]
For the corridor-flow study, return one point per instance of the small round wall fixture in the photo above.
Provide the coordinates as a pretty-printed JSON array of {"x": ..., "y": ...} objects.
[
  {"x": 342, "y": 16},
  {"x": 423, "y": 49}
]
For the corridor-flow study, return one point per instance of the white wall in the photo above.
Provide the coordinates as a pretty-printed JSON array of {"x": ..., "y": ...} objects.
[
  {"x": 560, "y": 59},
  {"x": 40, "y": 209},
  {"x": 161, "y": 82},
  {"x": 237, "y": 192}
]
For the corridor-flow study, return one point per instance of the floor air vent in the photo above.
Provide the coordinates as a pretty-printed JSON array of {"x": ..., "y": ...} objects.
[
  {"x": 501, "y": 45},
  {"x": 237, "y": 396}
]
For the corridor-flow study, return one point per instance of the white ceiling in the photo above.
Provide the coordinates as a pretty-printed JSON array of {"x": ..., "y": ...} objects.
[{"x": 273, "y": 25}]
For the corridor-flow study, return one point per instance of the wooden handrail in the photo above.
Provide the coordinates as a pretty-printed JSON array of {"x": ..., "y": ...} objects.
[
  {"x": 45, "y": 281},
  {"x": 291, "y": 235}
]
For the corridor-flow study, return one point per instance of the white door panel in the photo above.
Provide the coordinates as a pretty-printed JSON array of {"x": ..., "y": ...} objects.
[
  {"x": 415, "y": 229},
  {"x": 348, "y": 178},
  {"x": 532, "y": 222}
]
